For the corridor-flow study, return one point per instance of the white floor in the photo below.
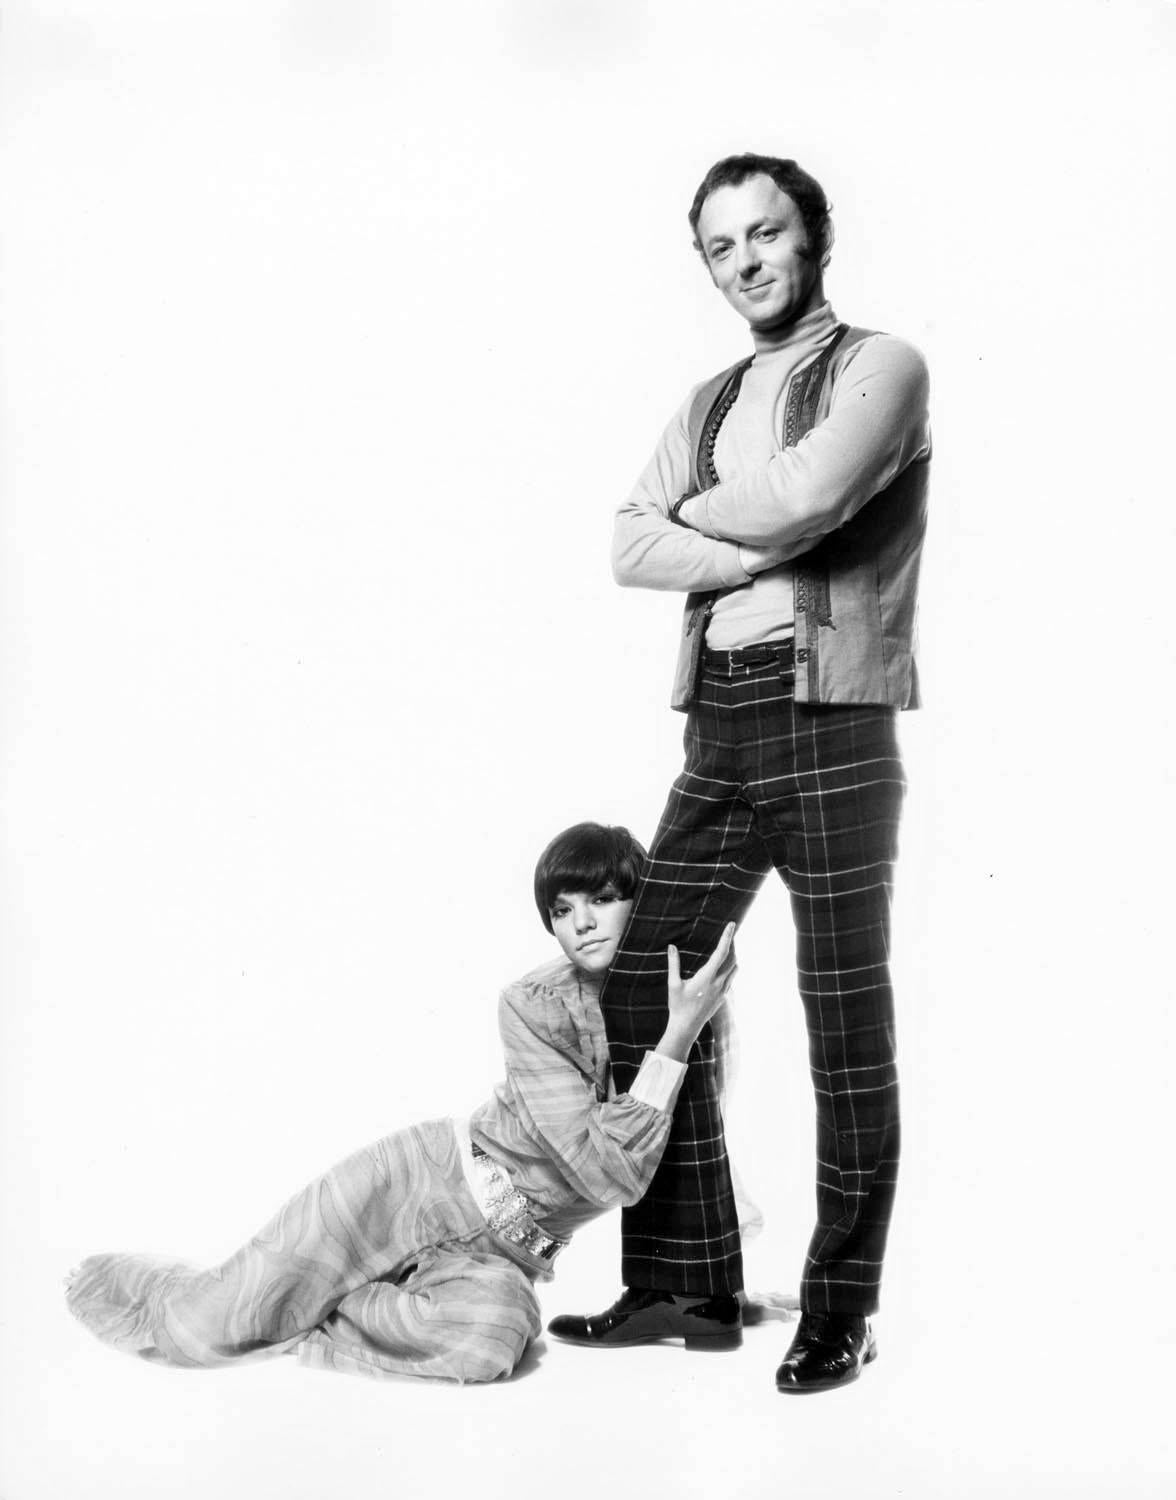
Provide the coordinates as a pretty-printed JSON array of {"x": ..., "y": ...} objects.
[{"x": 977, "y": 1399}]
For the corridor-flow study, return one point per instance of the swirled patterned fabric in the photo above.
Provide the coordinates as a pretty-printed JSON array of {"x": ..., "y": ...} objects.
[
  {"x": 381, "y": 1266},
  {"x": 386, "y": 1264}
]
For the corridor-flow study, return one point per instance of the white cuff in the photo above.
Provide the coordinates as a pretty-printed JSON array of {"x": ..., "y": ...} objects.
[{"x": 658, "y": 1080}]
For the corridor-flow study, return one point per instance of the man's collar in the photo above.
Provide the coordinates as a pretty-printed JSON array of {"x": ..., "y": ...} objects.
[{"x": 813, "y": 327}]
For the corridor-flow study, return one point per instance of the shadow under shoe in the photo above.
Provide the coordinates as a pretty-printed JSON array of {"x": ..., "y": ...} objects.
[
  {"x": 828, "y": 1350},
  {"x": 643, "y": 1316}
]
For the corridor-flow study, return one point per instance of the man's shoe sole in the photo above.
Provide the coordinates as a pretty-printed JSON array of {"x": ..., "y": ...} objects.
[
  {"x": 697, "y": 1343},
  {"x": 828, "y": 1385}
]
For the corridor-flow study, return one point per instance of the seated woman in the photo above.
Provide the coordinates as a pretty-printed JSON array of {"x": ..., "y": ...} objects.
[{"x": 418, "y": 1254}]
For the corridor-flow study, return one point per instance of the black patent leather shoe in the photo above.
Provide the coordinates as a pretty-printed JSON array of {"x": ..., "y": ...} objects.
[
  {"x": 639, "y": 1316},
  {"x": 829, "y": 1349}
]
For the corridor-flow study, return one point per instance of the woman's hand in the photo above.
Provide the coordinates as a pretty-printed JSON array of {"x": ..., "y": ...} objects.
[{"x": 692, "y": 1002}]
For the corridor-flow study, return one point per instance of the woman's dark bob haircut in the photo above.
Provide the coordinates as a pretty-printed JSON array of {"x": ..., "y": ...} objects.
[
  {"x": 587, "y": 857},
  {"x": 805, "y": 191}
]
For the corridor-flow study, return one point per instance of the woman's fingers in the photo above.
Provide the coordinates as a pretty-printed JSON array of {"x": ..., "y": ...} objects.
[
  {"x": 715, "y": 974},
  {"x": 724, "y": 953}
]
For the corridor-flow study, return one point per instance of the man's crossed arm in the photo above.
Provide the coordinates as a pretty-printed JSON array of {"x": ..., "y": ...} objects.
[{"x": 876, "y": 426}]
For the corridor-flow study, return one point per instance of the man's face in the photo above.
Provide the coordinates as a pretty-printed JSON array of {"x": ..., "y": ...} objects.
[
  {"x": 756, "y": 248},
  {"x": 589, "y": 925}
]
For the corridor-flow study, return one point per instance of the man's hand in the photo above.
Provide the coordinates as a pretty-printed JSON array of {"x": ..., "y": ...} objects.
[
  {"x": 760, "y": 559},
  {"x": 692, "y": 1002},
  {"x": 752, "y": 559},
  {"x": 681, "y": 513}
]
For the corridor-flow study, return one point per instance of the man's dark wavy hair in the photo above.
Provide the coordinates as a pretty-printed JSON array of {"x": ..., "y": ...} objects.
[
  {"x": 804, "y": 190},
  {"x": 587, "y": 857}
]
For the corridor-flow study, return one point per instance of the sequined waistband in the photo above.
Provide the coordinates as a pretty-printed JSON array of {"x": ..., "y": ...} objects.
[{"x": 508, "y": 1213}]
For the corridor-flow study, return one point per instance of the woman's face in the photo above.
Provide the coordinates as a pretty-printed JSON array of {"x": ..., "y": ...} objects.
[{"x": 589, "y": 925}]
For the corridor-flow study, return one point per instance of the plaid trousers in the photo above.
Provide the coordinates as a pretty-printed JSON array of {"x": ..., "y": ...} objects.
[{"x": 814, "y": 792}]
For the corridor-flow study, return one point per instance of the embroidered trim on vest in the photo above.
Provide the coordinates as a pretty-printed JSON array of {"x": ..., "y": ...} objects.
[
  {"x": 811, "y": 588},
  {"x": 705, "y": 477},
  {"x": 704, "y": 462},
  {"x": 810, "y": 585}
]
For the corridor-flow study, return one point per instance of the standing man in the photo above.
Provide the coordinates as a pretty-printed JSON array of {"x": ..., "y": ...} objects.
[{"x": 787, "y": 498}]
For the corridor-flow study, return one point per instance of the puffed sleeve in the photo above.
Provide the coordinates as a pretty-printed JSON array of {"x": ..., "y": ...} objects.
[{"x": 607, "y": 1150}]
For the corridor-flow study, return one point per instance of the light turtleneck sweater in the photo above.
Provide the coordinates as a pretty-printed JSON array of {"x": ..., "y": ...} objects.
[{"x": 762, "y": 609}]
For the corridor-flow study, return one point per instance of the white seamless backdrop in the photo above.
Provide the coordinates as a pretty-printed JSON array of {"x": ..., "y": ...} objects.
[{"x": 334, "y": 330}]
